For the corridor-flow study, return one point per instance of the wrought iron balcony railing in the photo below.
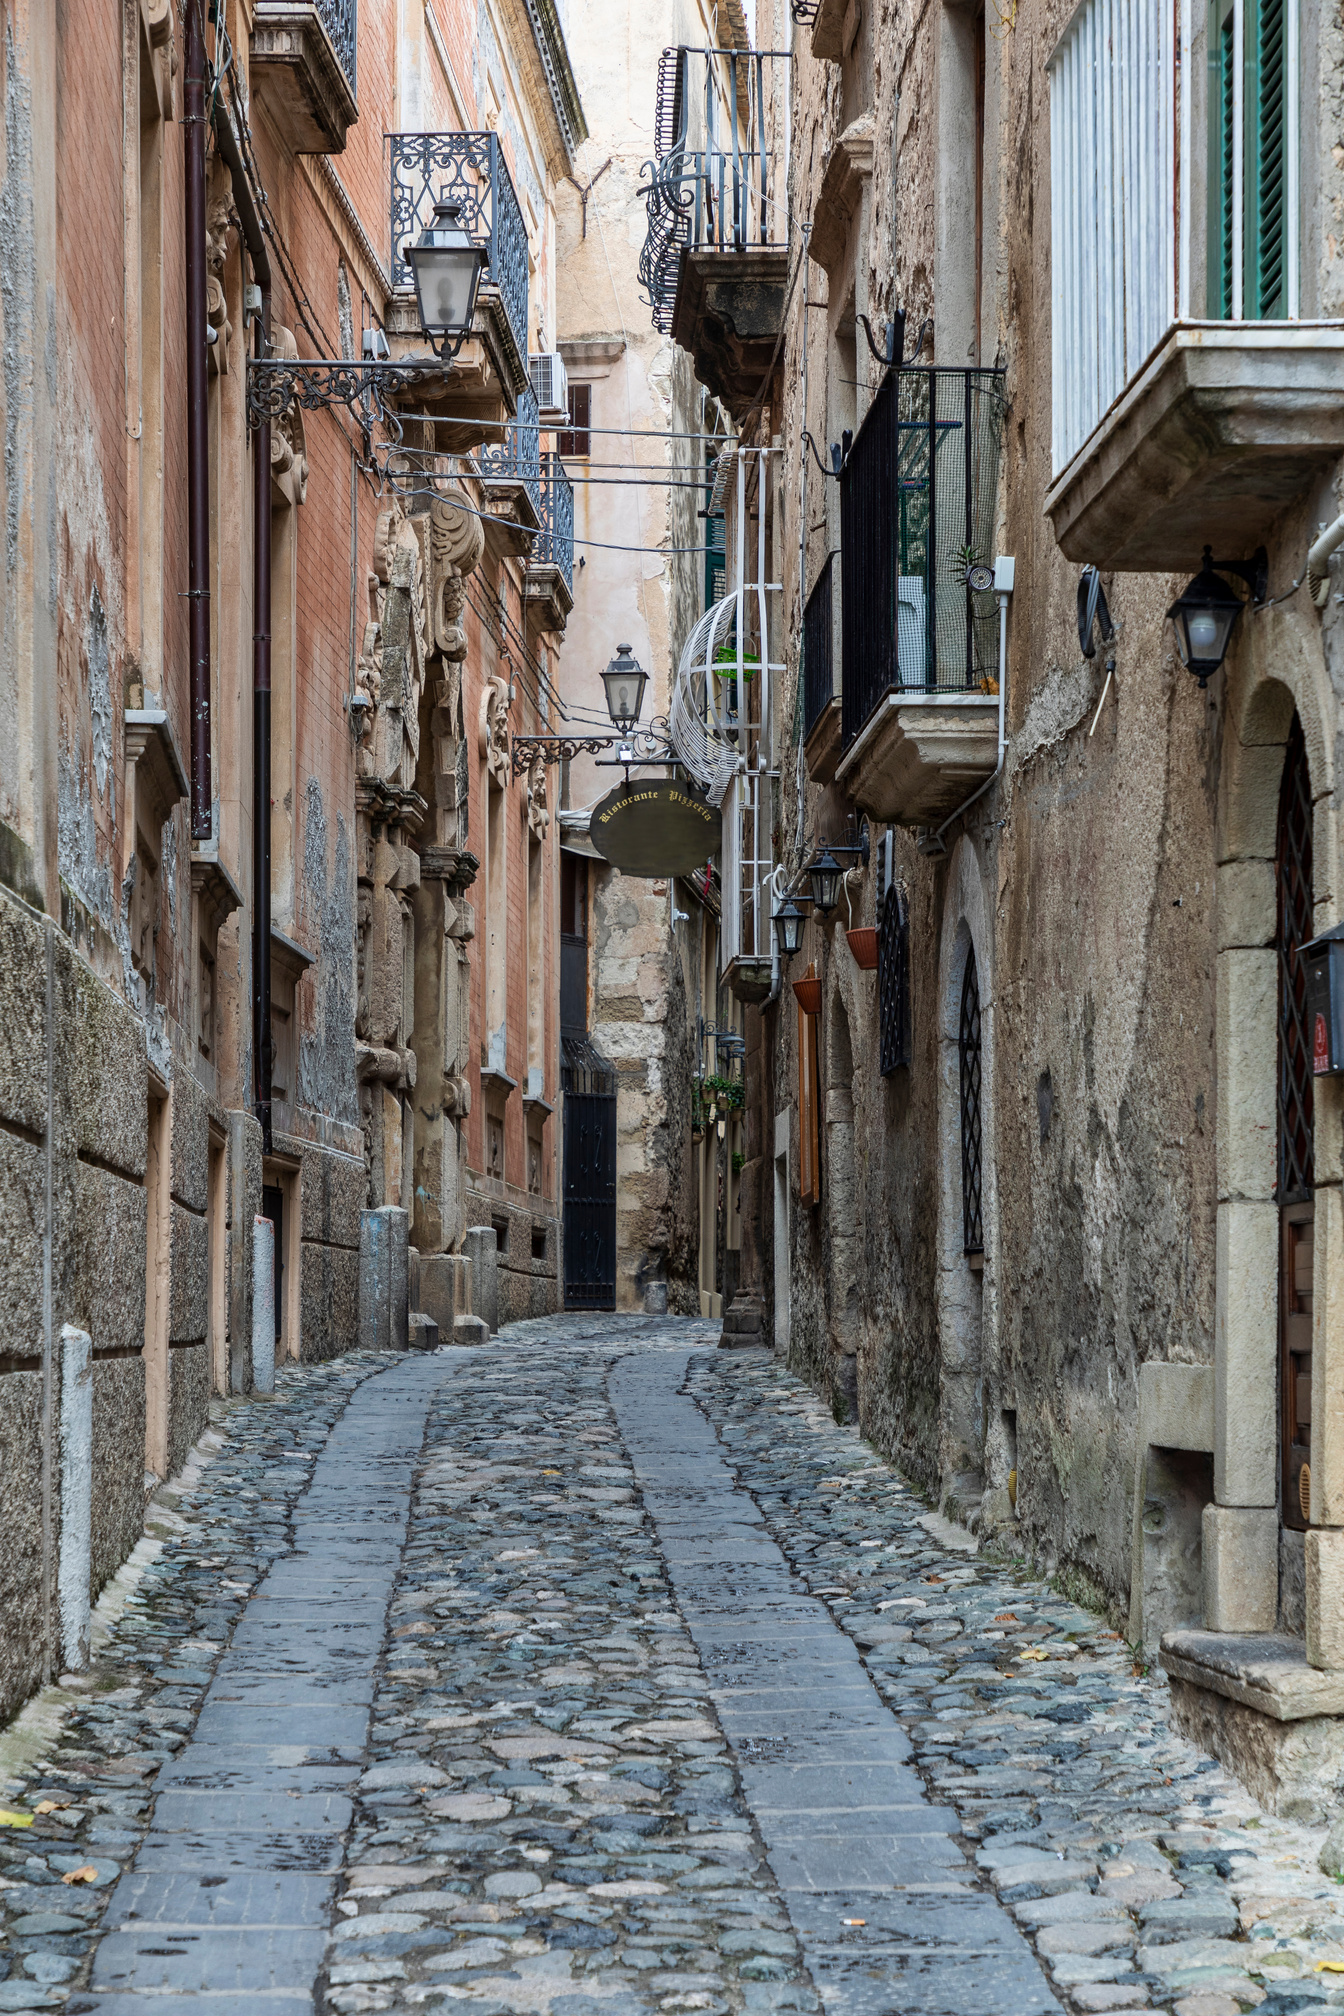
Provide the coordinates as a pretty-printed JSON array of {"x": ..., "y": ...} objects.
[
  {"x": 339, "y": 18},
  {"x": 818, "y": 656},
  {"x": 470, "y": 169},
  {"x": 555, "y": 547},
  {"x": 709, "y": 185},
  {"x": 917, "y": 502},
  {"x": 517, "y": 458}
]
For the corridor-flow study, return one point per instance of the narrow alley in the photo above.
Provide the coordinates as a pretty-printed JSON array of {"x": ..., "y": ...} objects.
[{"x": 602, "y": 1671}]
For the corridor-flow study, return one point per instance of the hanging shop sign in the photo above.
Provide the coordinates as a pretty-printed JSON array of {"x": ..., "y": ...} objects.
[
  {"x": 1324, "y": 961},
  {"x": 655, "y": 829}
]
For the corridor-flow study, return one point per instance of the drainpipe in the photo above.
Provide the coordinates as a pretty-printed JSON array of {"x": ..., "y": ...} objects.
[
  {"x": 261, "y": 650},
  {"x": 198, "y": 432}
]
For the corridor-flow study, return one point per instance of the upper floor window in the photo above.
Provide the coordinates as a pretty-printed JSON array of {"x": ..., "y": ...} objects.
[{"x": 1129, "y": 107}]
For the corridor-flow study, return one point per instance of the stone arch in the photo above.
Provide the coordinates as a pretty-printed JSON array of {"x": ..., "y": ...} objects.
[
  {"x": 843, "y": 1204},
  {"x": 1255, "y": 1568},
  {"x": 965, "y": 1285}
]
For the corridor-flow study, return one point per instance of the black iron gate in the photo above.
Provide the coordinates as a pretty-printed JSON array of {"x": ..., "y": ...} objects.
[{"x": 589, "y": 1086}]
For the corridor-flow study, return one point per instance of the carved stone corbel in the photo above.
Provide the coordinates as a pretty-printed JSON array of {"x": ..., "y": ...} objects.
[
  {"x": 492, "y": 730},
  {"x": 538, "y": 814},
  {"x": 289, "y": 446}
]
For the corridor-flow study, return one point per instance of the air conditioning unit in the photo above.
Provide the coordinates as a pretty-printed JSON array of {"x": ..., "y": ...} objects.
[{"x": 546, "y": 368}]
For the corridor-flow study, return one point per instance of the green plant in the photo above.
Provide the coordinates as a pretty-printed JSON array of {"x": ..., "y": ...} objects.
[
  {"x": 739, "y": 1161},
  {"x": 725, "y": 1092}
]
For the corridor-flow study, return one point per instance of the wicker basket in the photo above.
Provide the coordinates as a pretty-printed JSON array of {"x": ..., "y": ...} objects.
[{"x": 863, "y": 944}]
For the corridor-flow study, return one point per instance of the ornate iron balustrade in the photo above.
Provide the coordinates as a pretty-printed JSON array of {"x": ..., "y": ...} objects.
[
  {"x": 517, "y": 458},
  {"x": 340, "y": 19},
  {"x": 818, "y": 654},
  {"x": 555, "y": 547},
  {"x": 709, "y": 185},
  {"x": 469, "y": 169},
  {"x": 917, "y": 500}
]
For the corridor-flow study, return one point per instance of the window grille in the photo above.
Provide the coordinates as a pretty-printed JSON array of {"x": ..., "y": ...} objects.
[
  {"x": 893, "y": 982},
  {"x": 1113, "y": 194},
  {"x": 1296, "y": 1170},
  {"x": 968, "y": 1047},
  {"x": 917, "y": 506}
]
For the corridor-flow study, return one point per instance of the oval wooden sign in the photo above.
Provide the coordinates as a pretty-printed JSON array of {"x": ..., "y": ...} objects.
[{"x": 655, "y": 829}]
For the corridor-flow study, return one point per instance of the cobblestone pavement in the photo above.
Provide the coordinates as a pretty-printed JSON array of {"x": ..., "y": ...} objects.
[{"x": 600, "y": 1673}]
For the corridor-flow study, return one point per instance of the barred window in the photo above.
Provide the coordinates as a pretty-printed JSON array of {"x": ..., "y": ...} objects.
[
  {"x": 968, "y": 1047},
  {"x": 893, "y": 982}
]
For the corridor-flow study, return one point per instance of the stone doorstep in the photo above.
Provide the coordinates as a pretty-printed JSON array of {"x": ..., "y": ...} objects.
[{"x": 1267, "y": 1671}]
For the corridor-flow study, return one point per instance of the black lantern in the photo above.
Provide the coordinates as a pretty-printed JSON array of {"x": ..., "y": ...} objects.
[
  {"x": 789, "y": 922},
  {"x": 447, "y": 263},
  {"x": 1205, "y": 615},
  {"x": 824, "y": 875},
  {"x": 625, "y": 680}
]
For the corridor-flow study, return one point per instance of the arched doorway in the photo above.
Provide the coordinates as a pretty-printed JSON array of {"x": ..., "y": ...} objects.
[{"x": 1295, "y": 1171}]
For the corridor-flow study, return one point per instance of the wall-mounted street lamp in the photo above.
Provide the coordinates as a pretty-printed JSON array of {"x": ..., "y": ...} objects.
[
  {"x": 824, "y": 873},
  {"x": 447, "y": 263},
  {"x": 1205, "y": 612},
  {"x": 624, "y": 681},
  {"x": 789, "y": 921}
]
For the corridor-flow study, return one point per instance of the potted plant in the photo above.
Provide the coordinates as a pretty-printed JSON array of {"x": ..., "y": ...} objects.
[
  {"x": 808, "y": 991},
  {"x": 862, "y": 941}
]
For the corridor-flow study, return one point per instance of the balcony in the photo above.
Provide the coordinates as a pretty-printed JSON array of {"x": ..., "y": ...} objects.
[
  {"x": 303, "y": 71},
  {"x": 1223, "y": 426},
  {"x": 510, "y": 475},
  {"x": 821, "y": 695},
  {"x": 919, "y": 713},
  {"x": 549, "y": 584},
  {"x": 715, "y": 258},
  {"x": 488, "y": 379}
]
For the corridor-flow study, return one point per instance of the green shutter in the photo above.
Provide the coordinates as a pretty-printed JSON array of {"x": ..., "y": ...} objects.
[
  {"x": 1266, "y": 203},
  {"x": 1222, "y": 77}
]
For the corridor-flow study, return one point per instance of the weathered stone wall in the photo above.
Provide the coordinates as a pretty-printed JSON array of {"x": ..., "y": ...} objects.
[{"x": 1093, "y": 878}]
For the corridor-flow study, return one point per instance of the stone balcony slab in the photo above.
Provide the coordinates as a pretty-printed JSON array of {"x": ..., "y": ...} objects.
[
  {"x": 919, "y": 755},
  {"x": 1226, "y": 424}
]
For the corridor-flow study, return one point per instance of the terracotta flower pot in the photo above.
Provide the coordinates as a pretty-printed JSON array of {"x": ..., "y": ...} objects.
[
  {"x": 863, "y": 944},
  {"x": 808, "y": 991}
]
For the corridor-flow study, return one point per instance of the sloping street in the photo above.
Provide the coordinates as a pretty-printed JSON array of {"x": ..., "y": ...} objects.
[{"x": 600, "y": 1671}]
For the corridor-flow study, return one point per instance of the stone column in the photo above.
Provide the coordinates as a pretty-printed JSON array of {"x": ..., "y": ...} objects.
[{"x": 444, "y": 926}]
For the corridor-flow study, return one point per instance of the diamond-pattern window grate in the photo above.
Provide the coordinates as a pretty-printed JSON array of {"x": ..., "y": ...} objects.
[
  {"x": 1297, "y": 1175},
  {"x": 893, "y": 982},
  {"x": 968, "y": 1047}
]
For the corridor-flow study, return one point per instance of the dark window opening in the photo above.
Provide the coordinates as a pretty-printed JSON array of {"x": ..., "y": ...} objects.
[
  {"x": 538, "y": 1242},
  {"x": 968, "y": 1048},
  {"x": 893, "y": 982},
  {"x": 576, "y": 439}
]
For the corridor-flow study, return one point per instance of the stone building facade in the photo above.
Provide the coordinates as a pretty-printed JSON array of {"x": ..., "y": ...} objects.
[
  {"x": 184, "y": 191},
  {"x": 1039, "y": 1181}
]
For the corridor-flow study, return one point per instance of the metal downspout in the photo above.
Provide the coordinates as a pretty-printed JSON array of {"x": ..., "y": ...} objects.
[
  {"x": 198, "y": 431},
  {"x": 261, "y": 651}
]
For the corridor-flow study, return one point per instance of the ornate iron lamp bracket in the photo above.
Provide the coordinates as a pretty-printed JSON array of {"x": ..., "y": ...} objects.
[
  {"x": 363, "y": 384},
  {"x": 642, "y": 745}
]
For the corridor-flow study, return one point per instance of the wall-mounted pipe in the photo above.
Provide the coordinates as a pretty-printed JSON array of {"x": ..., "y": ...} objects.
[
  {"x": 198, "y": 431},
  {"x": 261, "y": 650},
  {"x": 1318, "y": 578}
]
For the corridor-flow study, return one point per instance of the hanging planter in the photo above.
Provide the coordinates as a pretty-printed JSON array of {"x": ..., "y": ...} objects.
[
  {"x": 863, "y": 944},
  {"x": 808, "y": 991}
]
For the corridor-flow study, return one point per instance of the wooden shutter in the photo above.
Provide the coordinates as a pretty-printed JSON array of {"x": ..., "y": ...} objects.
[
  {"x": 576, "y": 440},
  {"x": 1266, "y": 202},
  {"x": 1222, "y": 160}
]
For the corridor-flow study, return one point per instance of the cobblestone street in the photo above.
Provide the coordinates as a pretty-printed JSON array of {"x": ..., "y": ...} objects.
[{"x": 602, "y": 1671}]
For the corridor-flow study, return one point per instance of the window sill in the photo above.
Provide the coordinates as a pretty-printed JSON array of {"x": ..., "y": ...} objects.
[{"x": 1226, "y": 424}]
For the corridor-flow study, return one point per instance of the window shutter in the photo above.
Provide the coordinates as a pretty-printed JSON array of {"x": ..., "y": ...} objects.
[
  {"x": 1267, "y": 160},
  {"x": 1222, "y": 94},
  {"x": 809, "y": 1107},
  {"x": 576, "y": 440}
]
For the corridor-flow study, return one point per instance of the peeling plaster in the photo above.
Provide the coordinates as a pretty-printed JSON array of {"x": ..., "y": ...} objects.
[{"x": 100, "y": 693}]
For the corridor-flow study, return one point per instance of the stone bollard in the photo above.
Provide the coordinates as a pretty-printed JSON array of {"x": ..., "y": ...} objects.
[
  {"x": 384, "y": 1250},
  {"x": 481, "y": 1246},
  {"x": 74, "y": 1564},
  {"x": 263, "y": 1305}
]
